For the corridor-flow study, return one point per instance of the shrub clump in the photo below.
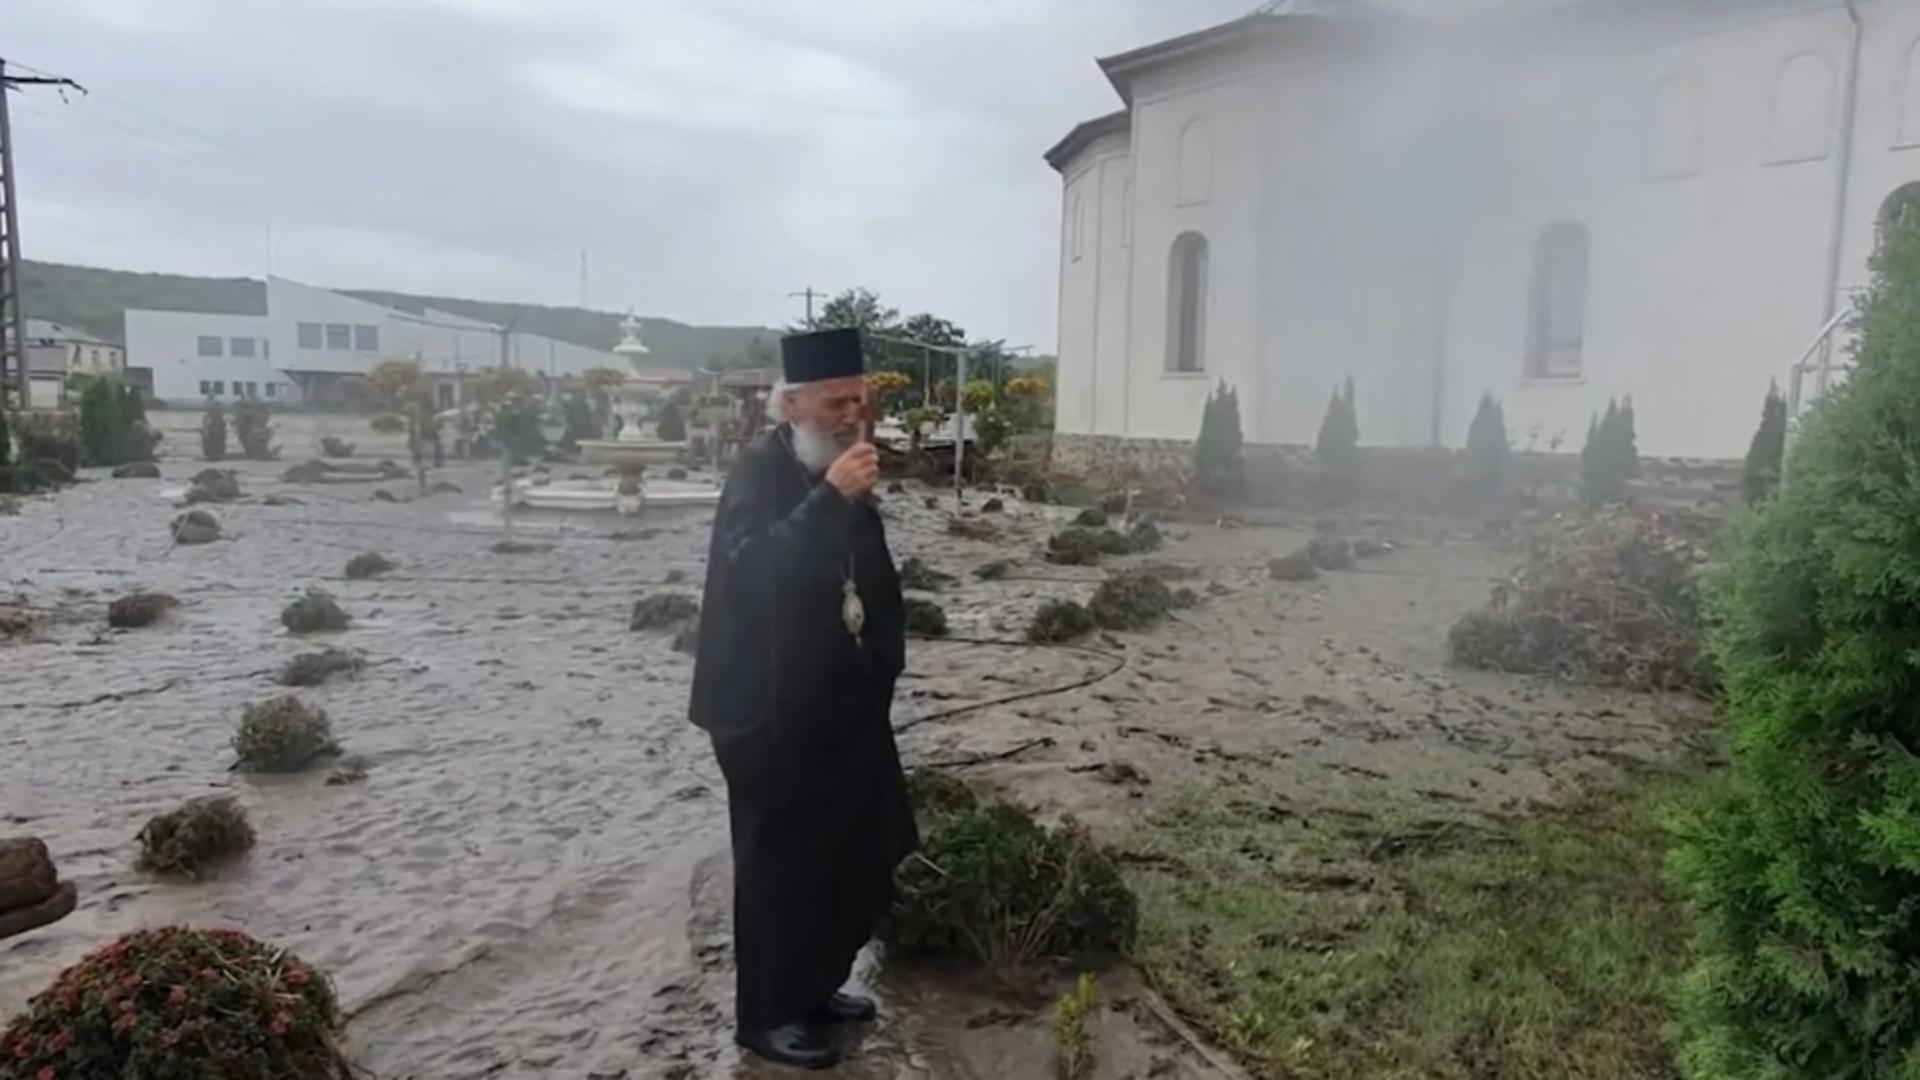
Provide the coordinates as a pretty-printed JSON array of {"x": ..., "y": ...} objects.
[
  {"x": 1761, "y": 476},
  {"x": 314, "y": 668},
  {"x": 368, "y": 564},
  {"x": 926, "y": 618},
  {"x": 917, "y": 575},
  {"x": 214, "y": 485},
  {"x": 1059, "y": 621},
  {"x": 388, "y": 424},
  {"x": 334, "y": 446},
  {"x": 180, "y": 1004},
  {"x": 662, "y": 610},
  {"x": 1295, "y": 566},
  {"x": 996, "y": 570},
  {"x": 213, "y": 432},
  {"x": 139, "y": 609},
  {"x": 1076, "y": 1016},
  {"x": 1091, "y": 518},
  {"x": 1338, "y": 446},
  {"x": 519, "y": 547},
  {"x": 1609, "y": 599},
  {"x": 1130, "y": 600},
  {"x": 1217, "y": 468},
  {"x": 1145, "y": 537},
  {"x": 282, "y": 735},
  {"x": 994, "y": 886},
  {"x": 201, "y": 831},
  {"x": 1083, "y": 547},
  {"x": 1330, "y": 553},
  {"x": 314, "y": 611},
  {"x": 195, "y": 527},
  {"x": 254, "y": 429},
  {"x": 1611, "y": 456},
  {"x": 1802, "y": 875},
  {"x": 1485, "y": 463}
]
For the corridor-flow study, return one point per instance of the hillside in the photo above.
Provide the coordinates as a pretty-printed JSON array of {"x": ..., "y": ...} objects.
[{"x": 95, "y": 300}]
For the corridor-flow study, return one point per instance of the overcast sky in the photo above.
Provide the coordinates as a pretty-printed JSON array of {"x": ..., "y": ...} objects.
[{"x": 709, "y": 155}]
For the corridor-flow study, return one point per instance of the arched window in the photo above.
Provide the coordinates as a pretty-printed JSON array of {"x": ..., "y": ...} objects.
[
  {"x": 1187, "y": 304},
  {"x": 1194, "y": 183},
  {"x": 1803, "y": 109},
  {"x": 1557, "y": 308}
]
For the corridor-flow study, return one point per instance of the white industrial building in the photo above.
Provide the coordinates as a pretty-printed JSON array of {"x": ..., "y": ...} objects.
[
  {"x": 1667, "y": 199},
  {"x": 311, "y": 340}
]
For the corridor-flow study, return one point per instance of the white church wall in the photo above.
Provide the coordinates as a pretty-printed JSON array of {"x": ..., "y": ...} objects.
[{"x": 1078, "y": 364}]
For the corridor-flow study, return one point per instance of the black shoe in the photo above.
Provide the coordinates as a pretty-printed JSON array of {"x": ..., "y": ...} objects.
[
  {"x": 800, "y": 1045},
  {"x": 845, "y": 1009}
]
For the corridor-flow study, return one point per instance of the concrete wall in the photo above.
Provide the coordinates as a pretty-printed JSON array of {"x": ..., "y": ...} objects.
[{"x": 168, "y": 344}]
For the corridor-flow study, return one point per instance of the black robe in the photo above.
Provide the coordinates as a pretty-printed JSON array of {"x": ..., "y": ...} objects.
[{"x": 799, "y": 713}]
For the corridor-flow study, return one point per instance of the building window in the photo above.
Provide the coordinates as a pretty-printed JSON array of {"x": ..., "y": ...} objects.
[
  {"x": 219, "y": 387},
  {"x": 273, "y": 390},
  {"x": 339, "y": 336},
  {"x": 1803, "y": 109},
  {"x": 444, "y": 395},
  {"x": 308, "y": 335},
  {"x": 1557, "y": 306},
  {"x": 366, "y": 339},
  {"x": 209, "y": 345},
  {"x": 241, "y": 346},
  {"x": 206, "y": 388},
  {"x": 253, "y": 389},
  {"x": 1187, "y": 304}
]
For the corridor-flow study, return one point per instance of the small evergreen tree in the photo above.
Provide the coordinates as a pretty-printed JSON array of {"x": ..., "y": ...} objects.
[
  {"x": 1761, "y": 477},
  {"x": 671, "y": 426},
  {"x": 1803, "y": 873},
  {"x": 1611, "y": 456},
  {"x": 213, "y": 432},
  {"x": 6, "y": 439},
  {"x": 1216, "y": 453},
  {"x": 577, "y": 416},
  {"x": 1487, "y": 448},
  {"x": 1338, "y": 445},
  {"x": 254, "y": 428},
  {"x": 102, "y": 428}
]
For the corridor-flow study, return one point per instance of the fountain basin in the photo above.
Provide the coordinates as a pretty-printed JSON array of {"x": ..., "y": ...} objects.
[
  {"x": 624, "y": 453},
  {"x": 605, "y": 495}
]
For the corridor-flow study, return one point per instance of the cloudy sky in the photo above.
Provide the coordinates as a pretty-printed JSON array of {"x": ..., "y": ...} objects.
[{"x": 709, "y": 155}]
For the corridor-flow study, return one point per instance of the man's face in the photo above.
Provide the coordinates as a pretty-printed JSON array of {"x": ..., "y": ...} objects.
[{"x": 830, "y": 407}]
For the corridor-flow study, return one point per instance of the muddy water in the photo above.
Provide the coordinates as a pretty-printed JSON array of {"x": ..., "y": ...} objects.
[{"x": 532, "y": 881}]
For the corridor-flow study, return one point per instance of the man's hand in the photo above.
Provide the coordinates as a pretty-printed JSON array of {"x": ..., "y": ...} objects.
[{"x": 855, "y": 472}]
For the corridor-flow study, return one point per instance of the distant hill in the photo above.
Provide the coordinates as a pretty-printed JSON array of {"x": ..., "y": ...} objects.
[{"x": 96, "y": 300}]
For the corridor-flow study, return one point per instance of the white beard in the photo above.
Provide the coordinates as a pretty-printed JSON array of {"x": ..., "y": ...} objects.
[{"x": 817, "y": 450}]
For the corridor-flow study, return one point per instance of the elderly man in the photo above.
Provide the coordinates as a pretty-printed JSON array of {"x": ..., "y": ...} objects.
[{"x": 802, "y": 635}]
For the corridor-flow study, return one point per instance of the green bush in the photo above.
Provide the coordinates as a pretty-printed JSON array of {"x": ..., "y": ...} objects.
[
  {"x": 314, "y": 611},
  {"x": 577, "y": 416},
  {"x": 991, "y": 430},
  {"x": 1078, "y": 546},
  {"x": 253, "y": 427},
  {"x": 1217, "y": 467},
  {"x": 1076, "y": 1019},
  {"x": 993, "y": 886},
  {"x": 367, "y": 565},
  {"x": 1761, "y": 477},
  {"x": 185, "y": 841},
  {"x": 1338, "y": 446},
  {"x": 1487, "y": 448},
  {"x": 1804, "y": 877},
  {"x": 48, "y": 438},
  {"x": 179, "y": 1004},
  {"x": 662, "y": 610},
  {"x": 314, "y": 668},
  {"x": 1060, "y": 621},
  {"x": 925, "y": 618},
  {"x": 1611, "y": 456},
  {"x": 213, "y": 432},
  {"x": 1131, "y": 600},
  {"x": 282, "y": 735}
]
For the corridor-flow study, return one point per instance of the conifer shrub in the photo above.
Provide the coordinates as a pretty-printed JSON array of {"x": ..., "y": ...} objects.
[
  {"x": 314, "y": 611},
  {"x": 1611, "y": 456},
  {"x": 175, "y": 1003},
  {"x": 282, "y": 735},
  {"x": 253, "y": 427},
  {"x": 1804, "y": 874},
  {"x": 213, "y": 432},
  {"x": 187, "y": 840},
  {"x": 1338, "y": 446},
  {"x": 1488, "y": 451},
  {"x": 1761, "y": 476},
  {"x": 1217, "y": 466}
]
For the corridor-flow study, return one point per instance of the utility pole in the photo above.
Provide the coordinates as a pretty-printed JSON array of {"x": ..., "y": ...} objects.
[
  {"x": 13, "y": 316},
  {"x": 809, "y": 292}
]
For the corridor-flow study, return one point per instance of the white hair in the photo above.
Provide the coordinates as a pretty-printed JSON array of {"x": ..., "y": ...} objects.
[{"x": 777, "y": 401}]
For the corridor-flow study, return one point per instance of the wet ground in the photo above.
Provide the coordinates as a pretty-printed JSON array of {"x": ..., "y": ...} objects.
[{"x": 533, "y": 881}]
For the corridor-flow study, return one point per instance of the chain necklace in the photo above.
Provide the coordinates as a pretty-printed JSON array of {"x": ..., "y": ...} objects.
[{"x": 853, "y": 612}]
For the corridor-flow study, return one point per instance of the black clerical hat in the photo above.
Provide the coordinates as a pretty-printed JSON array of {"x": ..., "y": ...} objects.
[{"x": 824, "y": 354}]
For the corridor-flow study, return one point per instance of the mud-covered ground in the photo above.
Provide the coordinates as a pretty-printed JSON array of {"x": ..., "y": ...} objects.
[{"x": 533, "y": 879}]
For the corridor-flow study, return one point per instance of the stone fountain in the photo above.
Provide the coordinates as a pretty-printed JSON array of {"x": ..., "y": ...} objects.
[{"x": 633, "y": 406}]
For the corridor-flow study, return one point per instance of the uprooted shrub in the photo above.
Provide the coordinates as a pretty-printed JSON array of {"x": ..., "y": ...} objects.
[
  {"x": 282, "y": 735},
  {"x": 993, "y": 886},
  {"x": 1058, "y": 621},
  {"x": 314, "y": 611},
  {"x": 314, "y": 668},
  {"x": 195, "y": 527},
  {"x": 368, "y": 564},
  {"x": 925, "y": 618},
  {"x": 1130, "y": 600},
  {"x": 1145, "y": 537},
  {"x": 335, "y": 446},
  {"x": 214, "y": 485},
  {"x": 1076, "y": 546},
  {"x": 187, "y": 840},
  {"x": 996, "y": 570},
  {"x": 139, "y": 609},
  {"x": 175, "y": 1003},
  {"x": 1091, "y": 518},
  {"x": 1607, "y": 599},
  {"x": 662, "y": 610},
  {"x": 917, "y": 575}
]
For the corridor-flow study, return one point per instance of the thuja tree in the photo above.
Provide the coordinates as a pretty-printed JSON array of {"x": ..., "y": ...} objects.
[
  {"x": 1338, "y": 444},
  {"x": 1762, "y": 475},
  {"x": 1216, "y": 453},
  {"x": 1804, "y": 873},
  {"x": 1487, "y": 448},
  {"x": 213, "y": 432},
  {"x": 1611, "y": 456}
]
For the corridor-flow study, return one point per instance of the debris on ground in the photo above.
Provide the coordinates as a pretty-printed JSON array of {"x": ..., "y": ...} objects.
[
  {"x": 1130, "y": 600},
  {"x": 1184, "y": 598},
  {"x": 1368, "y": 549},
  {"x": 314, "y": 668},
  {"x": 351, "y": 770},
  {"x": 1145, "y": 537},
  {"x": 306, "y": 472},
  {"x": 915, "y": 574},
  {"x": 1091, "y": 518},
  {"x": 335, "y": 446},
  {"x": 994, "y": 571},
  {"x": 383, "y": 495},
  {"x": 925, "y": 618},
  {"x": 972, "y": 528},
  {"x": 195, "y": 527},
  {"x": 519, "y": 547},
  {"x": 445, "y": 487},
  {"x": 662, "y": 610},
  {"x": 139, "y": 609},
  {"x": 896, "y": 488},
  {"x": 187, "y": 840},
  {"x": 676, "y": 474},
  {"x": 368, "y": 564},
  {"x": 16, "y": 620},
  {"x": 1083, "y": 547},
  {"x": 686, "y": 640},
  {"x": 1298, "y": 566},
  {"x": 1059, "y": 621},
  {"x": 930, "y": 502},
  {"x": 282, "y": 734},
  {"x": 31, "y": 892},
  {"x": 281, "y": 500},
  {"x": 214, "y": 485},
  {"x": 9, "y": 506},
  {"x": 994, "y": 505},
  {"x": 314, "y": 611},
  {"x": 137, "y": 470},
  {"x": 391, "y": 470},
  {"x": 1330, "y": 553},
  {"x": 991, "y": 885},
  {"x": 1607, "y": 599},
  {"x": 264, "y": 1012}
]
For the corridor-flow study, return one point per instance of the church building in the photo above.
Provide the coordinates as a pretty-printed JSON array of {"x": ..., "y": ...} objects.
[{"x": 1670, "y": 200}]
